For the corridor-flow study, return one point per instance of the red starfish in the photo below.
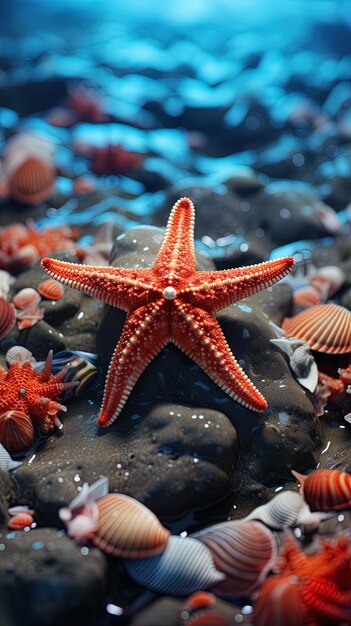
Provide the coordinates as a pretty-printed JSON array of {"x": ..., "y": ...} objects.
[
  {"x": 23, "y": 389},
  {"x": 172, "y": 302}
]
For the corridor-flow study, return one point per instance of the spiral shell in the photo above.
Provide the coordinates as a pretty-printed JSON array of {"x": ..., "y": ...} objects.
[
  {"x": 325, "y": 327},
  {"x": 184, "y": 567},
  {"x": 280, "y": 512},
  {"x": 128, "y": 529},
  {"x": 20, "y": 521},
  {"x": 26, "y": 298},
  {"x": 51, "y": 289},
  {"x": 7, "y": 317},
  {"x": 6, "y": 463},
  {"x": 326, "y": 490},
  {"x": 244, "y": 550},
  {"x": 16, "y": 431}
]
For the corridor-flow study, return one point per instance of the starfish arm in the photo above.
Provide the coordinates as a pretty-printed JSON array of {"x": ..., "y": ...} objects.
[
  {"x": 145, "y": 333},
  {"x": 176, "y": 257},
  {"x": 199, "y": 335},
  {"x": 216, "y": 290},
  {"x": 123, "y": 288}
]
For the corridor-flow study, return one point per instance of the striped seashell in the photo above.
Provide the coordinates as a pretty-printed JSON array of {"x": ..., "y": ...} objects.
[
  {"x": 6, "y": 462},
  {"x": 280, "y": 512},
  {"x": 326, "y": 490},
  {"x": 83, "y": 369},
  {"x": 278, "y": 603},
  {"x": 7, "y": 318},
  {"x": 325, "y": 327},
  {"x": 50, "y": 289},
  {"x": 244, "y": 550},
  {"x": 26, "y": 298},
  {"x": 306, "y": 296},
  {"x": 19, "y": 354},
  {"x": 33, "y": 181},
  {"x": 128, "y": 529},
  {"x": 185, "y": 566},
  {"x": 20, "y": 521},
  {"x": 16, "y": 431}
]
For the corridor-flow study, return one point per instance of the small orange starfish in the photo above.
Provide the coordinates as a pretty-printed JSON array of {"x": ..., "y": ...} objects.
[
  {"x": 23, "y": 389},
  {"x": 172, "y": 302}
]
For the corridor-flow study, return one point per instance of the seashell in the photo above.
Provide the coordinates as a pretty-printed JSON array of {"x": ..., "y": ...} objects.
[
  {"x": 7, "y": 318},
  {"x": 326, "y": 490},
  {"x": 50, "y": 289},
  {"x": 26, "y": 255},
  {"x": 16, "y": 431},
  {"x": 330, "y": 277},
  {"x": 278, "y": 603},
  {"x": 244, "y": 550},
  {"x": 325, "y": 327},
  {"x": 20, "y": 508},
  {"x": 307, "y": 296},
  {"x": 30, "y": 316},
  {"x": 305, "y": 367},
  {"x": 128, "y": 529},
  {"x": 19, "y": 354},
  {"x": 26, "y": 298},
  {"x": 33, "y": 181},
  {"x": 6, "y": 462},
  {"x": 6, "y": 280},
  {"x": 185, "y": 566},
  {"x": 200, "y": 600},
  {"x": 20, "y": 521}
]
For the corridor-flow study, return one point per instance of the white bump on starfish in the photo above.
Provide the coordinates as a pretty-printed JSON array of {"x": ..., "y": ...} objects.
[{"x": 169, "y": 293}]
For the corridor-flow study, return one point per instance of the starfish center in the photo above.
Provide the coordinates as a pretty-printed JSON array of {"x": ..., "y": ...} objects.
[
  {"x": 169, "y": 293},
  {"x": 22, "y": 392}
]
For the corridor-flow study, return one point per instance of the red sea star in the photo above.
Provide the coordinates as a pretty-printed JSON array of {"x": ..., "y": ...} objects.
[
  {"x": 23, "y": 389},
  {"x": 172, "y": 302}
]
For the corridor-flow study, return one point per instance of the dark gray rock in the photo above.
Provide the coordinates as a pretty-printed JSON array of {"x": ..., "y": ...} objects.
[{"x": 45, "y": 578}]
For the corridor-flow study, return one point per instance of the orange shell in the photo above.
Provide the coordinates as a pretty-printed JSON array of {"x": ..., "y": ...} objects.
[
  {"x": 16, "y": 431},
  {"x": 32, "y": 182},
  {"x": 325, "y": 327},
  {"x": 50, "y": 289},
  {"x": 326, "y": 489},
  {"x": 7, "y": 317},
  {"x": 128, "y": 529},
  {"x": 22, "y": 520}
]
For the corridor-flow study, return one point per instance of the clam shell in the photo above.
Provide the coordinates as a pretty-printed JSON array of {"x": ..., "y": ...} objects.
[
  {"x": 25, "y": 298},
  {"x": 280, "y": 512},
  {"x": 185, "y": 566},
  {"x": 326, "y": 490},
  {"x": 278, "y": 603},
  {"x": 16, "y": 431},
  {"x": 325, "y": 327},
  {"x": 51, "y": 289},
  {"x": 19, "y": 354},
  {"x": 6, "y": 463},
  {"x": 32, "y": 182},
  {"x": 128, "y": 529},
  {"x": 7, "y": 317},
  {"x": 22, "y": 520},
  {"x": 244, "y": 550}
]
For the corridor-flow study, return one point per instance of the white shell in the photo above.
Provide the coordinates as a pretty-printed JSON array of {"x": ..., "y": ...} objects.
[
  {"x": 185, "y": 566},
  {"x": 6, "y": 462}
]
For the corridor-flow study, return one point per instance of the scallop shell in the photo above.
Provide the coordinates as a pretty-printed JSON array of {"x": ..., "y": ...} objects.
[
  {"x": 26, "y": 298},
  {"x": 244, "y": 550},
  {"x": 6, "y": 463},
  {"x": 19, "y": 354},
  {"x": 20, "y": 521},
  {"x": 7, "y": 318},
  {"x": 51, "y": 289},
  {"x": 326, "y": 490},
  {"x": 128, "y": 529},
  {"x": 325, "y": 327},
  {"x": 16, "y": 431},
  {"x": 278, "y": 602},
  {"x": 185, "y": 566},
  {"x": 33, "y": 181}
]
